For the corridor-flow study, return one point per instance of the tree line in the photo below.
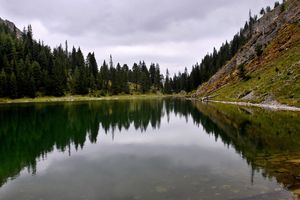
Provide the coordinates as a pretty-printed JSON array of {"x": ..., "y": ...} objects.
[{"x": 28, "y": 68}]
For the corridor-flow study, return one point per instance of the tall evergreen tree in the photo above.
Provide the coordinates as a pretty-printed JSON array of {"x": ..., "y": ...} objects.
[
  {"x": 152, "y": 72},
  {"x": 157, "y": 77},
  {"x": 145, "y": 81},
  {"x": 59, "y": 73},
  {"x": 104, "y": 76},
  {"x": 12, "y": 86},
  {"x": 124, "y": 75},
  {"x": 135, "y": 75},
  {"x": 167, "y": 86},
  {"x": 92, "y": 64},
  {"x": 114, "y": 88},
  {"x": 3, "y": 84}
]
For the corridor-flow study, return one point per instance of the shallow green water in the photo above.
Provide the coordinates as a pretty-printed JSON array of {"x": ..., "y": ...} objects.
[{"x": 144, "y": 149}]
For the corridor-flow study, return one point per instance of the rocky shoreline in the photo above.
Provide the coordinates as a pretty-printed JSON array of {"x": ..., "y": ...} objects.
[{"x": 272, "y": 106}]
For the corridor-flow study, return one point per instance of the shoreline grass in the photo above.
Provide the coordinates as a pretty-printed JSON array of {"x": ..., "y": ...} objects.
[{"x": 78, "y": 98}]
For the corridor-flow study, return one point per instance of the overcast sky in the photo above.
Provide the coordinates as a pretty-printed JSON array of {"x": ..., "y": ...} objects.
[{"x": 173, "y": 33}]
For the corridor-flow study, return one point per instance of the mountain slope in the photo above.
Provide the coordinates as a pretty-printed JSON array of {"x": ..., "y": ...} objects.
[
  {"x": 11, "y": 26},
  {"x": 267, "y": 68}
]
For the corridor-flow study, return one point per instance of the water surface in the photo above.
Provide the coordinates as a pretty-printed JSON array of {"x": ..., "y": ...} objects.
[{"x": 146, "y": 149}]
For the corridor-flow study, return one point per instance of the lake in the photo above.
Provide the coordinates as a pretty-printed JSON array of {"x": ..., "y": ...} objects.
[{"x": 147, "y": 149}]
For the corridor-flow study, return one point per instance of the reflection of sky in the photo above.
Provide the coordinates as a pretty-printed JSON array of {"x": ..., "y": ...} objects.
[
  {"x": 179, "y": 155},
  {"x": 170, "y": 134},
  {"x": 176, "y": 132}
]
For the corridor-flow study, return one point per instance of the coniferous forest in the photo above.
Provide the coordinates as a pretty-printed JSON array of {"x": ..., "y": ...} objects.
[{"x": 29, "y": 68}]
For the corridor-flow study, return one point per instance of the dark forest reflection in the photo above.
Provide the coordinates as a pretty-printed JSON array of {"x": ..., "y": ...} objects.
[
  {"x": 267, "y": 140},
  {"x": 31, "y": 131}
]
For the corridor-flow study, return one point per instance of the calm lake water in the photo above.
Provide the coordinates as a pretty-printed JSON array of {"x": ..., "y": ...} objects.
[{"x": 147, "y": 149}]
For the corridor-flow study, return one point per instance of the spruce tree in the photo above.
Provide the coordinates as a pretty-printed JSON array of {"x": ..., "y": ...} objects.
[
  {"x": 92, "y": 64},
  {"x": 167, "y": 86},
  {"x": 3, "y": 84},
  {"x": 136, "y": 75},
  {"x": 157, "y": 77},
  {"x": 37, "y": 74},
  {"x": 104, "y": 76},
  {"x": 12, "y": 86},
  {"x": 124, "y": 75},
  {"x": 114, "y": 89},
  {"x": 145, "y": 81},
  {"x": 262, "y": 11},
  {"x": 152, "y": 72}
]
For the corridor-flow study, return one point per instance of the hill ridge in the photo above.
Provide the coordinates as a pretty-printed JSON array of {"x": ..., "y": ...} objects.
[{"x": 12, "y": 27}]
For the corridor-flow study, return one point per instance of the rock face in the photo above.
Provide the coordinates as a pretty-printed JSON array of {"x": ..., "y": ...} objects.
[
  {"x": 265, "y": 30},
  {"x": 12, "y": 27}
]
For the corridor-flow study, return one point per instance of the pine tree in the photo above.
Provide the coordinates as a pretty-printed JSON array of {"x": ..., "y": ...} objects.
[
  {"x": 145, "y": 81},
  {"x": 43, "y": 60},
  {"x": 157, "y": 77},
  {"x": 80, "y": 82},
  {"x": 119, "y": 80},
  {"x": 152, "y": 72},
  {"x": 259, "y": 49},
  {"x": 104, "y": 76},
  {"x": 92, "y": 68},
  {"x": 3, "y": 84},
  {"x": 37, "y": 74},
  {"x": 167, "y": 86},
  {"x": 73, "y": 59},
  {"x": 59, "y": 76},
  {"x": 80, "y": 74},
  {"x": 92, "y": 64},
  {"x": 79, "y": 59},
  {"x": 282, "y": 7},
  {"x": 124, "y": 85},
  {"x": 136, "y": 75},
  {"x": 12, "y": 86},
  {"x": 262, "y": 11},
  {"x": 113, "y": 78},
  {"x": 31, "y": 87},
  {"x": 111, "y": 63},
  {"x": 66, "y": 49}
]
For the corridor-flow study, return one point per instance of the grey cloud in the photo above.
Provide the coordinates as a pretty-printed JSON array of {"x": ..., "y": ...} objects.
[
  {"x": 114, "y": 23},
  {"x": 124, "y": 18}
]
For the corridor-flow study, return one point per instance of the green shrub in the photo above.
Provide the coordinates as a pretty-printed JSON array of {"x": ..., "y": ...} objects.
[{"x": 259, "y": 49}]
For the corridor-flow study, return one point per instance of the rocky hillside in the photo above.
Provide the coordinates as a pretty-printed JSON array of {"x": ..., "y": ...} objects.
[
  {"x": 267, "y": 68},
  {"x": 12, "y": 27}
]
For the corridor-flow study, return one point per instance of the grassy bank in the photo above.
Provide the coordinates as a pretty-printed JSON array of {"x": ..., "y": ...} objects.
[
  {"x": 76, "y": 98},
  {"x": 274, "y": 76}
]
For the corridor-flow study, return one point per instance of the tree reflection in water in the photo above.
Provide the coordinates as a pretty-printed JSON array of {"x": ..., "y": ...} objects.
[{"x": 269, "y": 141}]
